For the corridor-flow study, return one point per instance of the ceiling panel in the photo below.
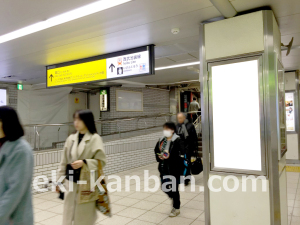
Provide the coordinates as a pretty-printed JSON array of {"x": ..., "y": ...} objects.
[
  {"x": 134, "y": 24},
  {"x": 15, "y": 14},
  {"x": 288, "y": 24},
  {"x": 117, "y": 19},
  {"x": 181, "y": 57},
  {"x": 156, "y": 32},
  {"x": 195, "y": 54},
  {"x": 163, "y": 62},
  {"x": 281, "y": 8},
  {"x": 168, "y": 76}
]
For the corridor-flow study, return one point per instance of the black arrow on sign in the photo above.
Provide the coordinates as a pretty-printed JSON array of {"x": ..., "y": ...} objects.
[
  {"x": 51, "y": 76},
  {"x": 112, "y": 66}
]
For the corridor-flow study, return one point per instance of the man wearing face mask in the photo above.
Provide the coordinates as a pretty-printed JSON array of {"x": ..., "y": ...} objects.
[
  {"x": 188, "y": 134},
  {"x": 167, "y": 152}
]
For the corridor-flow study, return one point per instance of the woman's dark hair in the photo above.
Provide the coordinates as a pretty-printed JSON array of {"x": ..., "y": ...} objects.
[
  {"x": 88, "y": 119},
  {"x": 11, "y": 125},
  {"x": 170, "y": 125},
  {"x": 195, "y": 98}
]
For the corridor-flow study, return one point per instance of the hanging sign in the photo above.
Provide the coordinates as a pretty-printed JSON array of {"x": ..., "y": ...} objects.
[
  {"x": 133, "y": 62},
  {"x": 80, "y": 73},
  {"x": 128, "y": 65},
  {"x": 104, "y": 100}
]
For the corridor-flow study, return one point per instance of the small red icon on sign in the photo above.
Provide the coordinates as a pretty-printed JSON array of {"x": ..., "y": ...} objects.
[{"x": 119, "y": 61}]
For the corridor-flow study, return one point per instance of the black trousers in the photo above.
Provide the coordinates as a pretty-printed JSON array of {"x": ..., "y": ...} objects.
[
  {"x": 195, "y": 116},
  {"x": 173, "y": 194}
]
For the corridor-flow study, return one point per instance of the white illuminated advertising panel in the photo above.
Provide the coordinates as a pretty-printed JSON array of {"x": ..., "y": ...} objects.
[
  {"x": 290, "y": 111},
  {"x": 3, "y": 97},
  {"x": 236, "y": 116}
]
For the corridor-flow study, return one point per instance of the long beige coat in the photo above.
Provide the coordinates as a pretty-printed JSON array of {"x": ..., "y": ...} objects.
[{"x": 91, "y": 149}]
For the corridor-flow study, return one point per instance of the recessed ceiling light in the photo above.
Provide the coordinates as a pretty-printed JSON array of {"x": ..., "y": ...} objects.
[
  {"x": 178, "y": 65},
  {"x": 62, "y": 18}
]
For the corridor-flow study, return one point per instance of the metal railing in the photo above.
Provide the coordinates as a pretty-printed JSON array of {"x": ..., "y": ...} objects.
[
  {"x": 37, "y": 134},
  {"x": 117, "y": 121}
]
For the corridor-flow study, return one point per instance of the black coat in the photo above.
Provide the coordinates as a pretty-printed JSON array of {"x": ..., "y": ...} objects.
[
  {"x": 175, "y": 161},
  {"x": 191, "y": 142}
]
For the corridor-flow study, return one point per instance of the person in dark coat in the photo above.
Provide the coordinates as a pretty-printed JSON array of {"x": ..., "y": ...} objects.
[
  {"x": 188, "y": 134},
  {"x": 167, "y": 151}
]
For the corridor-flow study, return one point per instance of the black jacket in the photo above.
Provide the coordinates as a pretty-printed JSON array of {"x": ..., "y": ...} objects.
[
  {"x": 175, "y": 161},
  {"x": 191, "y": 142}
]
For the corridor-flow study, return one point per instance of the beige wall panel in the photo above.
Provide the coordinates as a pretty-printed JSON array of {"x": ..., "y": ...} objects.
[
  {"x": 239, "y": 208},
  {"x": 292, "y": 146},
  {"x": 234, "y": 36}
]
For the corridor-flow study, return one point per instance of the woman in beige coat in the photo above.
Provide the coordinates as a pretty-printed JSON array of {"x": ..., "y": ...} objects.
[{"x": 82, "y": 152}]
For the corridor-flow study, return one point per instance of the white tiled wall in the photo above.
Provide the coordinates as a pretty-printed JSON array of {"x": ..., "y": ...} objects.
[
  {"x": 154, "y": 102},
  {"x": 122, "y": 155}
]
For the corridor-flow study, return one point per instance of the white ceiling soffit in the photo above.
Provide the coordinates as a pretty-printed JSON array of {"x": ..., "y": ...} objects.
[
  {"x": 181, "y": 57},
  {"x": 140, "y": 22}
]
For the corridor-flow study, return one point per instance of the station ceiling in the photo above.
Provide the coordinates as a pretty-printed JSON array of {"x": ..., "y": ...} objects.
[{"x": 134, "y": 24}]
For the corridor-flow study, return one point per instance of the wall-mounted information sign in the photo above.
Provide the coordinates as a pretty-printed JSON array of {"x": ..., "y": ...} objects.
[
  {"x": 104, "y": 100},
  {"x": 290, "y": 111},
  {"x": 133, "y": 62},
  {"x": 3, "y": 97}
]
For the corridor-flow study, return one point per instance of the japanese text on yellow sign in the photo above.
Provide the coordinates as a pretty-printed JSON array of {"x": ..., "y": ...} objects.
[{"x": 79, "y": 73}]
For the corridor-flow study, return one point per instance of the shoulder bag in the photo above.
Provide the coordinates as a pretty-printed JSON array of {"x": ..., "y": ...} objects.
[{"x": 103, "y": 203}]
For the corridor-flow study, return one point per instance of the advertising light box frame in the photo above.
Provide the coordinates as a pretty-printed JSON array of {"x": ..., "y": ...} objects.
[
  {"x": 4, "y": 98},
  {"x": 294, "y": 113},
  {"x": 149, "y": 48},
  {"x": 102, "y": 99},
  {"x": 260, "y": 123}
]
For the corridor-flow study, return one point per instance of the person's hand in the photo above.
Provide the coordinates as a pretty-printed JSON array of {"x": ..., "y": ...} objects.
[
  {"x": 161, "y": 157},
  {"x": 57, "y": 189},
  {"x": 77, "y": 164}
]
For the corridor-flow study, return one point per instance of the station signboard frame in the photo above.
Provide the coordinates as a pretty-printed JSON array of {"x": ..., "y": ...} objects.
[
  {"x": 4, "y": 99},
  {"x": 104, "y": 99},
  {"x": 118, "y": 65}
]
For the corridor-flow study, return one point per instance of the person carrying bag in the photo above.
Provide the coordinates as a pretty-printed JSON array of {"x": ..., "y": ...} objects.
[{"x": 83, "y": 155}]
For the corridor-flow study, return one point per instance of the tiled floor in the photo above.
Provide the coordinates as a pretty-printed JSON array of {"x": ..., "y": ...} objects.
[
  {"x": 293, "y": 185},
  {"x": 132, "y": 208},
  {"x": 146, "y": 208}
]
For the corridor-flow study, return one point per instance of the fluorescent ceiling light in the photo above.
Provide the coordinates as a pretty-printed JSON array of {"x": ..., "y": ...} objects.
[
  {"x": 178, "y": 65},
  {"x": 63, "y": 18}
]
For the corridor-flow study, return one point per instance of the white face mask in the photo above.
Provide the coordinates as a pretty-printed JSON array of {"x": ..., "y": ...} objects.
[{"x": 167, "y": 133}]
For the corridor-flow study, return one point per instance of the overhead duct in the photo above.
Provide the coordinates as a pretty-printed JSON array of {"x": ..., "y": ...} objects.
[{"x": 224, "y": 7}]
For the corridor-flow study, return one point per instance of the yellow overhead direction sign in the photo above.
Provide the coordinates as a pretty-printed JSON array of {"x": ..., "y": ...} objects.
[
  {"x": 124, "y": 64},
  {"x": 79, "y": 73}
]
